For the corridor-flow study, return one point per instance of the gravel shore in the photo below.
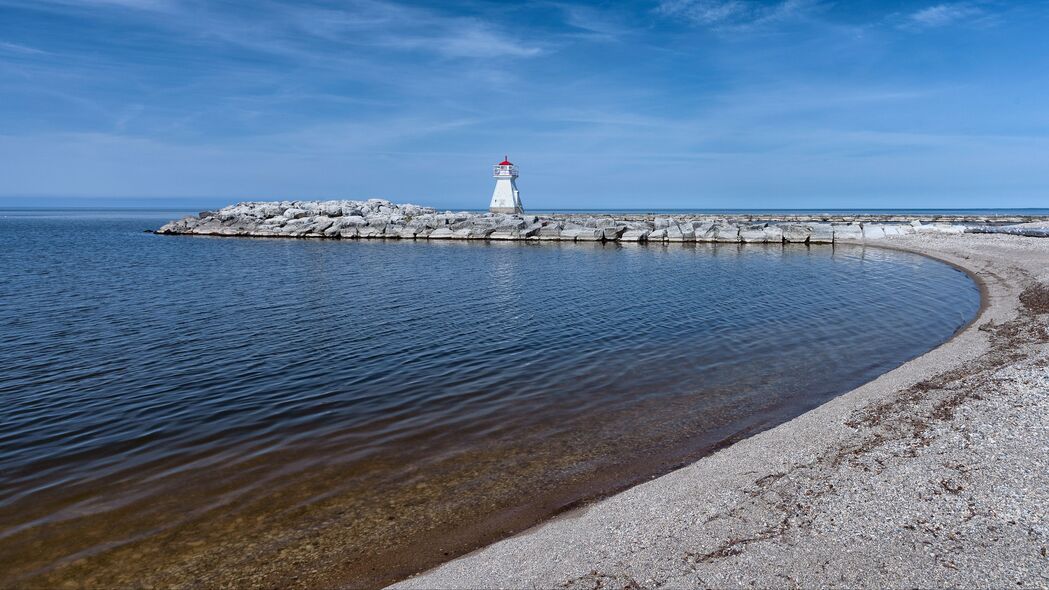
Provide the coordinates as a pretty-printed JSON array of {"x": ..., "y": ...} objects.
[{"x": 934, "y": 474}]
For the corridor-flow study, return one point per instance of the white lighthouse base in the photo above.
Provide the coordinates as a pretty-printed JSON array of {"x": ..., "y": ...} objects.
[{"x": 505, "y": 198}]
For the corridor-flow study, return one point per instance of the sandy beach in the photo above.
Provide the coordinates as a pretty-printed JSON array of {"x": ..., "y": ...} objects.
[{"x": 934, "y": 474}]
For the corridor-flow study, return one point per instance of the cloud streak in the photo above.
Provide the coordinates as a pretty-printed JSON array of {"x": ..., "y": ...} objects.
[
  {"x": 942, "y": 15},
  {"x": 20, "y": 49},
  {"x": 735, "y": 15}
]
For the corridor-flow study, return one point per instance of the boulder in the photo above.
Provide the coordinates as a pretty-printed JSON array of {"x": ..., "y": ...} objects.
[
  {"x": 582, "y": 234},
  {"x": 752, "y": 233},
  {"x": 822, "y": 233},
  {"x": 441, "y": 233},
  {"x": 532, "y": 230},
  {"x": 321, "y": 223},
  {"x": 657, "y": 235},
  {"x": 700, "y": 229},
  {"x": 707, "y": 233},
  {"x": 726, "y": 233},
  {"x": 796, "y": 233},
  {"x": 474, "y": 233},
  {"x": 266, "y": 211},
  {"x": 680, "y": 233},
  {"x": 634, "y": 235},
  {"x": 941, "y": 228},
  {"x": 847, "y": 231},
  {"x": 506, "y": 234},
  {"x": 549, "y": 232},
  {"x": 872, "y": 231},
  {"x": 334, "y": 229},
  {"x": 773, "y": 234},
  {"x": 370, "y": 231},
  {"x": 511, "y": 223}
]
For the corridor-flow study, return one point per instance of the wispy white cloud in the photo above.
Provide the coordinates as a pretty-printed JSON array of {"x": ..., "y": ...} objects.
[
  {"x": 736, "y": 15},
  {"x": 150, "y": 5},
  {"x": 596, "y": 24},
  {"x": 292, "y": 28},
  {"x": 6, "y": 47},
  {"x": 942, "y": 15},
  {"x": 386, "y": 24},
  {"x": 473, "y": 40}
]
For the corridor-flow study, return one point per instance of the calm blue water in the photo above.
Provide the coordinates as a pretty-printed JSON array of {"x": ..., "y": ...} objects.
[{"x": 169, "y": 401}]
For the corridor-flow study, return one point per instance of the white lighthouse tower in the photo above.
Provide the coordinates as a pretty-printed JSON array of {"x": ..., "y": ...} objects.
[{"x": 505, "y": 198}]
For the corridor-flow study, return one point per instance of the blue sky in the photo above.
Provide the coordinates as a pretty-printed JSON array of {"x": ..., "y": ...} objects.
[{"x": 672, "y": 103}]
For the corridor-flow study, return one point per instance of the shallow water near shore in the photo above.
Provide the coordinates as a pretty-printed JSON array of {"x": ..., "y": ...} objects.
[{"x": 210, "y": 411}]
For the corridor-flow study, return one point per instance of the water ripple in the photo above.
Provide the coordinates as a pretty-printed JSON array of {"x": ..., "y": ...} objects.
[{"x": 132, "y": 364}]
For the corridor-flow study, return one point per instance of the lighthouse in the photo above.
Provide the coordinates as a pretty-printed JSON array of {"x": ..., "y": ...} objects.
[{"x": 505, "y": 198}]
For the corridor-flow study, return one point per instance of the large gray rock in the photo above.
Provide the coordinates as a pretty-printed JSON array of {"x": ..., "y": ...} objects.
[
  {"x": 822, "y": 233},
  {"x": 700, "y": 229},
  {"x": 321, "y": 223},
  {"x": 726, "y": 233},
  {"x": 634, "y": 235},
  {"x": 582, "y": 234},
  {"x": 532, "y": 230},
  {"x": 796, "y": 233},
  {"x": 549, "y": 232},
  {"x": 269, "y": 210},
  {"x": 848, "y": 231},
  {"x": 679, "y": 233},
  {"x": 707, "y": 233},
  {"x": 940, "y": 228},
  {"x": 506, "y": 234},
  {"x": 510, "y": 223},
  {"x": 872, "y": 231},
  {"x": 474, "y": 233},
  {"x": 657, "y": 235},
  {"x": 752, "y": 233},
  {"x": 334, "y": 229},
  {"x": 371, "y": 231}
]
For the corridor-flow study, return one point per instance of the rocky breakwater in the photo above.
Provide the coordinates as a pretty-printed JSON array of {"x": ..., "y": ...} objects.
[{"x": 378, "y": 218}]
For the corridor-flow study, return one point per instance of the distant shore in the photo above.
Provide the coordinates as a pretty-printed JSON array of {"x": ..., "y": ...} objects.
[{"x": 934, "y": 474}]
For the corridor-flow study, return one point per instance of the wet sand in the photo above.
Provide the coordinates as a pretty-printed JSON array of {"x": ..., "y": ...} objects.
[{"x": 934, "y": 474}]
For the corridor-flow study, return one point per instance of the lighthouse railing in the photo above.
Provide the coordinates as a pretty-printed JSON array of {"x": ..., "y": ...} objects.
[{"x": 499, "y": 170}]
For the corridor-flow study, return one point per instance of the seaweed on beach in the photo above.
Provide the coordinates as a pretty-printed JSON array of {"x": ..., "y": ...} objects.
[{"x": 1036, "y": 298}]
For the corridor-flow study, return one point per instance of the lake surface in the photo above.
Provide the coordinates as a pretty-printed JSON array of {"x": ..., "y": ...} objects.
[{"x": 206, "y": 411}]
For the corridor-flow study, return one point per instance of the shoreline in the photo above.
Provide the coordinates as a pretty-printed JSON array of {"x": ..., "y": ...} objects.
[{"x": 887, "y": 484}]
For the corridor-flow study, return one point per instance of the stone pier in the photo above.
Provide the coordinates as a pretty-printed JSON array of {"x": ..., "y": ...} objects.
[{"x": 377, "y": 218}]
